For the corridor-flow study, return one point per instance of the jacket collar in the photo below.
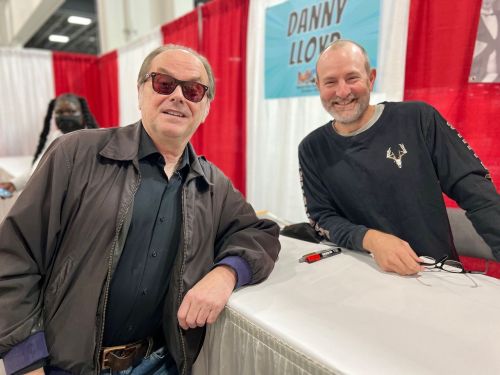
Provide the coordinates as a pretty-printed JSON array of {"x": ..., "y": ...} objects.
[
  {"x": 124, "y": 143},
  {"x": 196, "y": 169},
  {"x": 124, "y": 146}
]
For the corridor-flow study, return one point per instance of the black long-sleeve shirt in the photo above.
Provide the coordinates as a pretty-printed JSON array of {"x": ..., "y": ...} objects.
[{"x": 391, "y": 178}]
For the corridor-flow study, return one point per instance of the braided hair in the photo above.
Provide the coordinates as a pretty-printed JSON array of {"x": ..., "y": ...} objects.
[
  {"x": 88, "y": 118},
  {"x": 89, "y": 121},
  {"x": 45, "y": 130}
]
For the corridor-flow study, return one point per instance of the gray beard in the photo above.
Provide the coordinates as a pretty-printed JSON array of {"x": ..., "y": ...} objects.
[{"x": 353, "y": 116}]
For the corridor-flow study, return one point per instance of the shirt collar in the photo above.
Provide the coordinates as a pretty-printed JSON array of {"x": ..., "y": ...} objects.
[
  {"x": 146, "y": 145},
  {"x": 147, "y": 148}
]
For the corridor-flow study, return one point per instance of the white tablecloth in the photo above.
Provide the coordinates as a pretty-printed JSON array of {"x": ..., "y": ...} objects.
[
  {"x": 10, "y": 167},
  {"x": 342, "y": 315},
  {"x": 15, "y": 165}
]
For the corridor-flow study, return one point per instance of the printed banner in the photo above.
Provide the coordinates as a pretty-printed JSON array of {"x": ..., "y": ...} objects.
[
  {"x": 298, "y": 30},
  {"x": 485, "y": 65}
]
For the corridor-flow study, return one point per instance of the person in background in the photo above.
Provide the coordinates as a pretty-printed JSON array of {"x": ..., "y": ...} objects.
[
  {"x": 70, "y": 113},
  {"x": 373, "y": 177},
  {"x": 125, "y": 243}
]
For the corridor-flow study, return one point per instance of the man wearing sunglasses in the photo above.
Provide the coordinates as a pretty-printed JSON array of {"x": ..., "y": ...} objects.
[{"x": 125, "y": 243}]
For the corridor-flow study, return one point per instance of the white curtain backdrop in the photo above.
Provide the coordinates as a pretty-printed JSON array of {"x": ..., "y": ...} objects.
[
  {"x": 27, "y": 83},
  {"x": 275, "y": 127},
  {"x": 130, "y": 59}
]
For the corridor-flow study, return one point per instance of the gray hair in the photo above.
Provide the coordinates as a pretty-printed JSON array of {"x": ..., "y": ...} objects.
[
  {"x": 343, "y": 42},
  {"x": 146, "y": 65}
]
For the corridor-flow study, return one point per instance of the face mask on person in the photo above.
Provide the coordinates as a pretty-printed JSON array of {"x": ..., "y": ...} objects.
[{"x": 69, "y": 123}]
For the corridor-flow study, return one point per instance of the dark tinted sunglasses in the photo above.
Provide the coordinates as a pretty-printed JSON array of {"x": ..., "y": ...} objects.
[{"x": 165, "y": 85}]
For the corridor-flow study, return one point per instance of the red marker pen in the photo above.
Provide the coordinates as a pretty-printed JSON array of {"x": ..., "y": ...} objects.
[{"x": 318, "y": 255}]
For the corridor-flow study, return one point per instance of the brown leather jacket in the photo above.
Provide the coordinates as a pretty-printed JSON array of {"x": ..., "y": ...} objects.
[{"x": 62, "y": 239}]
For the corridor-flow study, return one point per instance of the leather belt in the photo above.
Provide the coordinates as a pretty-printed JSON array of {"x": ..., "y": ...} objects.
[{"x": 121, "y": 357}]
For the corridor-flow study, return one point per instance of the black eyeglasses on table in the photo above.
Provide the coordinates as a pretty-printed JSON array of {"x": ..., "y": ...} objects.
[{"x": 448, "y": 265}]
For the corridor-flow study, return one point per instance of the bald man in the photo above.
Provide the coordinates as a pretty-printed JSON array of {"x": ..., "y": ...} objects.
[{"x": 373, "y": 176}]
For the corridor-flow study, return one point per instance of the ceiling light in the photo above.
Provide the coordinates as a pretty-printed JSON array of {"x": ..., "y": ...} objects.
[
  {"x": 79, "y": 20},
  {"x": 59, "y": 38}
]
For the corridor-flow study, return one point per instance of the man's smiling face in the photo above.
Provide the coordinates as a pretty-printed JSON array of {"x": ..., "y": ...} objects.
[
  {"x": 173, "y": 117},
  {"x": 344, "y": 84}
]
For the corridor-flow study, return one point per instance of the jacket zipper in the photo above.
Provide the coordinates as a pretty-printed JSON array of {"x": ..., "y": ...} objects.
[
  {"x": 179, "y": 299},
  {"x": 108, "y": 278}
]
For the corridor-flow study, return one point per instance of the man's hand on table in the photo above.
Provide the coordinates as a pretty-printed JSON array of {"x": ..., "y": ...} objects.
[
  {"x": 391, "y": 253},
  {"x": 204, "y": 302}
]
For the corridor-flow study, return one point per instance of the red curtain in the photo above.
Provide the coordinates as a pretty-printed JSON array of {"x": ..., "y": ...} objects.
[
  {"x": 222, "y": 138},
  {"x": 183, "y": 31},
  {"x": 109, "y": 89},
  {"x": 441, "y": 39},
  {"x": 80, "y": 74}
]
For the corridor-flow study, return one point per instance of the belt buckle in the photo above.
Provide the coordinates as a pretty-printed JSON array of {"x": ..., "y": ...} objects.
[
  {"x": 106, "y": 351},
  {"x": 132, "y": 348}
]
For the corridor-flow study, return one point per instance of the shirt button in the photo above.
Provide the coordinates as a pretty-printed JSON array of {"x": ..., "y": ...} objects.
[
  {"x": 162, "y": 219},
  {"x": 154, "y": 254}
]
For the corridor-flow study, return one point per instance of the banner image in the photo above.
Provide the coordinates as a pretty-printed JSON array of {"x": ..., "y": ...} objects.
[
  {"x": 298, "y": 30},
  {"x": 486, "y": 59}
]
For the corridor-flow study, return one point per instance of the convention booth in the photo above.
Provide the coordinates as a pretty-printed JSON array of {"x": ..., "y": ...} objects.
[
  {"x": 342, "y": 314},
  {"x": 252, "y": 133},
  {"x": 253, "y": 136}
]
